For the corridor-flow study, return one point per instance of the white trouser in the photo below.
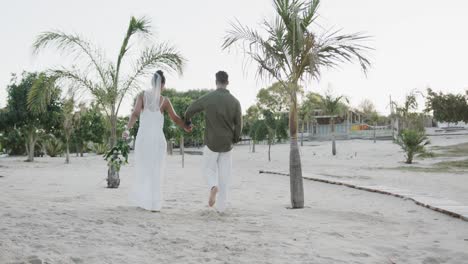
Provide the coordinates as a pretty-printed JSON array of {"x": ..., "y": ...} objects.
[{"x": 217, "y": 168}]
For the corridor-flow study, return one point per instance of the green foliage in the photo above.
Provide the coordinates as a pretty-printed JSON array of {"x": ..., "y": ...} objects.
[
  {"x": 89, "y": 126},
  {"x": 274, "y": 98},
  {"x": 13, "y": 141},
  {"x": 98, "y": 148},
  {"x": 406, "y": 112},
  {"x": 30, "y": 118},
  {"x": 312, "y": 101},
  {"x": 451, "y": 108},
  {"x": 281, "y": 130},
  {"x": 54, "y": 147},
  {"x": 252, "y": 115},
  {"x": 412, "y": 142},
  {"x": 333, "y": 105},
  {"x": 180, "y": 101},
  {"x": 118, "y": 155}
]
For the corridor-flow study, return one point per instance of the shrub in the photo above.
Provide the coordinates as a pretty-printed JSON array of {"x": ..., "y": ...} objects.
[
  {"x": 412, "y": 142},
  {"x": 13, "y": 142},
  {"x": 53, "y": 147},
  {"x": 99, "y": 148}
]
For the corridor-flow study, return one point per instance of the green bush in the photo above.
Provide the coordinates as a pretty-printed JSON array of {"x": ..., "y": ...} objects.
[
  {"x": 13, "y": 142},
  {"x": 412, "y": 142},
  {"x": 99, "y": 148},
  {"x": 53, "y": 147}
]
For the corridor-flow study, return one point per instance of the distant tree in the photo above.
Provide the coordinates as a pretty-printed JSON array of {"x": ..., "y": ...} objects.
[
  {"x": 450, "y": 108},
  {"x": 258, "y": 132},
  {"x": 333, "y": 106},
  {"x": 311, "y": 102},
  {"x": 89, "y": 126},
  {"x": 250, "y": 120},
  {"x": 274, "y": 98},
  {"x": 406, "y": 112},
  {"x": 30, "y": 119},
  {"x": 367, "y": 107}
]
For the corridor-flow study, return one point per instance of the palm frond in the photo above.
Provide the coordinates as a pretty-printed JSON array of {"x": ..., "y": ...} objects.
[
  {"x": 332, "y": 104},
  {"x": 73, "y": 45},
  {"x": 136, "y": 26},
  {"x": 161, "y": 56},
  {"x": 333, "y": 49},
  {"x": 41, "y": 93}
]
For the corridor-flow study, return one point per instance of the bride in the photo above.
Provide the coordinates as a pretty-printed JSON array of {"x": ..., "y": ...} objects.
[{"x": 150, "y": 145}]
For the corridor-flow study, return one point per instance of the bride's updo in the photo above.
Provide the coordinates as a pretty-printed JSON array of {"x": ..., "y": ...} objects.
[{"x": 161, "y": 74}]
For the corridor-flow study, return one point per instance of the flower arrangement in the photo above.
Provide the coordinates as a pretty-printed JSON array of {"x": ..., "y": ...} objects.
[{"x": 118, "y": 155}]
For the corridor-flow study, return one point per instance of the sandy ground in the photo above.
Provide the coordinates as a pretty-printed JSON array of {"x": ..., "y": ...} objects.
[
  {"x": 57, "y": 213},
  {"x": 382, "y": 164}
]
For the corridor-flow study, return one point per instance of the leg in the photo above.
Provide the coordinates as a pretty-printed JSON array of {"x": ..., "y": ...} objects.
[
  {"x": 210, "y": 170},
  {"x": 224, "y": 174}
]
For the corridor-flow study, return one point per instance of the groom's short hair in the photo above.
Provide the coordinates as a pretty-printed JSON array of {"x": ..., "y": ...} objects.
[{"x": 222, "y": 77}]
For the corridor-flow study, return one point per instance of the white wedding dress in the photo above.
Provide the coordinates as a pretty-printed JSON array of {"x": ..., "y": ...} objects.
[{"x": 150, "y": 151}]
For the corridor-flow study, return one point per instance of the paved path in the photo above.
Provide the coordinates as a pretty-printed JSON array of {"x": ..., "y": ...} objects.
[{"x": 439, "y": 204}]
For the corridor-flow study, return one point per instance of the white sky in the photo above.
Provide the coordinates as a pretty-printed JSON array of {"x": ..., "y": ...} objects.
[{"x": 419, "y": 43}]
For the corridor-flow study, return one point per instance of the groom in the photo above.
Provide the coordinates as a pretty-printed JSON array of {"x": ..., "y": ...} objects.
[{"x": 223, "y": 125}]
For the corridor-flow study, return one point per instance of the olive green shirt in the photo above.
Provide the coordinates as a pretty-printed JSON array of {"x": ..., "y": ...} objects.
[{"x": 223, "y": 119}]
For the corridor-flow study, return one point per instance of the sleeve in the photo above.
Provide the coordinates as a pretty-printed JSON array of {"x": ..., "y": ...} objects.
[
  {"x": 237, "y": 123},
  {"x": 195, "y": 107}
]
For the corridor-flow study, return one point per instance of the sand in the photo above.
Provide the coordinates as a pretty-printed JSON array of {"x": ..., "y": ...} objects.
[
  {"x": 57, "y": 213},
  {"x": 382, "y": 164}
]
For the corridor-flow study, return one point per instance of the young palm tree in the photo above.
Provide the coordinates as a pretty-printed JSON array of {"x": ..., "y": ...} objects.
[
  {"x": 412, "y": 142},
  {"x": 104, "y": 79},
  {"x": 333, "y": 106},
  {"x": 290, "y": 52}
]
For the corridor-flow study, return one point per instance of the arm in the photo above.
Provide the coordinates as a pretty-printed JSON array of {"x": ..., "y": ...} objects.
[
  {"x": 237, "y": 123},
  {"x": 167, "y": 106},
  {"x": 135, "y": 114},
  {"x": 194, "y": 108}
]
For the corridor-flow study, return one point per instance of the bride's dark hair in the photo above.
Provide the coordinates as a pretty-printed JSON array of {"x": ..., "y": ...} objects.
[{"x": 161, "y": 74}]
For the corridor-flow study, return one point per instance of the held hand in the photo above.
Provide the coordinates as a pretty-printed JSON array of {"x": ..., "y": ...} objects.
[
  {"x": 125, "y": 134},
  {"x": 188, "y": 129}
]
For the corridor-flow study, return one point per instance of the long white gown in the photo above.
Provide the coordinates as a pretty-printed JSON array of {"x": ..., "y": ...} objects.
[{"x": 150, "y": 154}]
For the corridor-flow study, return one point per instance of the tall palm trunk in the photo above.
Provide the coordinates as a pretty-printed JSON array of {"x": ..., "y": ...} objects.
[
  {"x": 269, "y": 151},
  {"x": 67, "y": 157},
  {"x": 295, "y": 169},
  {"x": 31, "y": 144},
  {"x": 333, "y": 136}
]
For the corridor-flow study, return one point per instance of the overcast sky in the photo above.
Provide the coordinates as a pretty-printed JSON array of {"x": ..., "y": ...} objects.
[{"x": 418, "y": 43}]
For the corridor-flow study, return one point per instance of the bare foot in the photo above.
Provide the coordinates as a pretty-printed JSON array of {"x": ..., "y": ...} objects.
[{"x": 213, "y": 193}]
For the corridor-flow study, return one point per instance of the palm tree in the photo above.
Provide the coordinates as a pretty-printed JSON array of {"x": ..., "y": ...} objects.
[
  {"x": 290, "y": 52},
  {"x": 412, "y": 142},
  {"x": 104, "y": 79},
  {"x": 333, "y": 106}
]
